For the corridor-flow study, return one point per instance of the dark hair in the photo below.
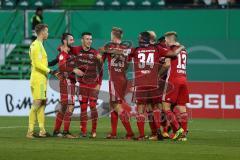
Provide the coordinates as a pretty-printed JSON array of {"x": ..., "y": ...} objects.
[
  {"x": 64, "y": 36},
  {"x": 86, "y": 33},
  {"x": 39, "y": 9},
  {"x": 161, "y": 39},
  {"x": 145, "y": 37},
  {"x": 40, "y": 27}
]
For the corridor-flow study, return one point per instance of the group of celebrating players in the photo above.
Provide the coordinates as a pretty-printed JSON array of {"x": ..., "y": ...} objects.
[{"x": 158, "y": 85}]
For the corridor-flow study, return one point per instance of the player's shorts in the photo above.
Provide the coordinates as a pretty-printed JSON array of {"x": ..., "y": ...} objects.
[
  {"x": 147, "y": 95},
  {"x": 179, "y": 95},
  {"x": 39, "y": 90},
  {"x": 117, "y": 91},
  {"x": 67, "y": 92},
  {"x": 88, "y": 91}
]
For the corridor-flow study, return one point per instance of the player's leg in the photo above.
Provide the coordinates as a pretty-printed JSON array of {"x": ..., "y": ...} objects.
[
  {"x": 151, "y": 123},
  {"x": 41, "y": 120},
  {"x": 37, "y": 110},
  {"x": 140, "y": 117},
  {"x": 62, "y": 109},
  {"x": 125, "y": 119},
  {"x": 83, "y": 115},
  {"x": 113, "y": 113},
  {"x": 168, "y": 100},
  {"x": 181, "y": 107},
  {"x": 41, "y": 110},
  {"x": 157, "y": 118},
  {"x": 93, "y": 96},
  {"x": 173, "y": 120},
  {"x": 164, "y": 123},
  {"x": 94, "y": 116},
  {"x": 69, "y": 110},
  {"x": 67, "y": 122},
  {"x": 114, "y": 122},
  {"x": 59, "y": 120},
  {"x": 33, "y": 117}
]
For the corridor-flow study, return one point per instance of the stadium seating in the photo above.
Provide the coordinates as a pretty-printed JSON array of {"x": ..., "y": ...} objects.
[
  {"x": 17, "y": 64},
  {"x": 9, "y": 4}
]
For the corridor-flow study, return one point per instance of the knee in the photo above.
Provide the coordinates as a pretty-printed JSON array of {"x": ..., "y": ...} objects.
[{"x": 70, "y": 108}]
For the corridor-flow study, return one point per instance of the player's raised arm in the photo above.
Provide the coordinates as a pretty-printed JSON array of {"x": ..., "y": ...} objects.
[{"x": 174, "y": 48}]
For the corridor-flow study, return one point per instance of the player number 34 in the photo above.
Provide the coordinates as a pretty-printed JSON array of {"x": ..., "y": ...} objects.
[{"x": 146, "y": 61}]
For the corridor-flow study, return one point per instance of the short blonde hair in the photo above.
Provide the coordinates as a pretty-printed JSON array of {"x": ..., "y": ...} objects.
[
  {"x": 40, "y": 27},
  {"x": 153, "y": 35},
  {"x": 170, "y": 33},
  {"x": 117, "y": 32}
]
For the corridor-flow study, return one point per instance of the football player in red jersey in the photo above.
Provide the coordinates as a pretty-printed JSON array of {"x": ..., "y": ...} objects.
[
  {"x": 67, "y": 86},
  {"x": 177, "y": 76},
  {"x": 165, "y": 64},
  {"x": 89, "y": 60},
  {"x": 146, "y": 59},
  {"x": 117, "y": 66}
]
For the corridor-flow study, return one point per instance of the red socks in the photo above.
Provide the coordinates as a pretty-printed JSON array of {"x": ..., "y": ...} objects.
[
  {"x": 114, "y": 122},
  {"x": 124, "y": 116},
  {"x": 83, "y": 118},
  {"x": 151, "y": 123},
  {"x": 184, "y": 121},
  {"x": 140, "y": 124},
  {"x": 157, "y": 117},
  {"x": 172, "y": 119},
  {"x": 67, "y": 120},
  {"x": 58, "y": 122},
  {"x": 94, "y": 116}
]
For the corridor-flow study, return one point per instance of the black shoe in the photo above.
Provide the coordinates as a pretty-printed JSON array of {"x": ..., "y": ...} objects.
[
  {"x": 67, "y": 134},
  {"x": 57, "y": 134},
  {"x": 159, "y": 135}
]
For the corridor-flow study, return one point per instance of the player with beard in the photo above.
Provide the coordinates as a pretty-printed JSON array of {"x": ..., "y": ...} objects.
[{"x": 67, "y": 85}]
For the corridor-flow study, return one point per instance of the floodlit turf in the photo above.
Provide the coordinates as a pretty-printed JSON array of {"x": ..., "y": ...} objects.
[{"x": 208, "y": 139}]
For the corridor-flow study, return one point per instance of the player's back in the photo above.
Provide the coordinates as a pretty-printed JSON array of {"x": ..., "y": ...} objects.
[
  {"x": 178, "y": 68},
  {"x": 146, "y": 65},
  {"x": 117, "y": 63}
]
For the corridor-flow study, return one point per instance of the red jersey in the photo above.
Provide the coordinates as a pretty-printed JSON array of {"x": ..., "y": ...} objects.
[
  {"x": 64, "y": 64},
  {"x": 147, "y": 64},
  {"x": 87, "y": 62},
  {"x": 178, "y": 65},
  {"x": 117, "y": 63}
]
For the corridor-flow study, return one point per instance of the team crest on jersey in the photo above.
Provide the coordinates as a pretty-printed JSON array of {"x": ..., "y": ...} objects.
[
  {"x": 90, "y": 56},
  {"x": 61, "y": 57},
  {"x": 40, "y": 56}
]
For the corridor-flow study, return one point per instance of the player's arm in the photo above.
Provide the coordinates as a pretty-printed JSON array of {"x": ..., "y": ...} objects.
[
  {"x": 173, "y": 52},
  {"x": 53, "y": 62},
  {"x": 36, "y": 59},
  {"x": 100, "y": 67},
  {"x": 164, "y": 67},
  {"x": 65, "y": 67}
]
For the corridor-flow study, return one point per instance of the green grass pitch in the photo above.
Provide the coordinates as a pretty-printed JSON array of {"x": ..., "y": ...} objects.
[{"x": 209, "y": 139}]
